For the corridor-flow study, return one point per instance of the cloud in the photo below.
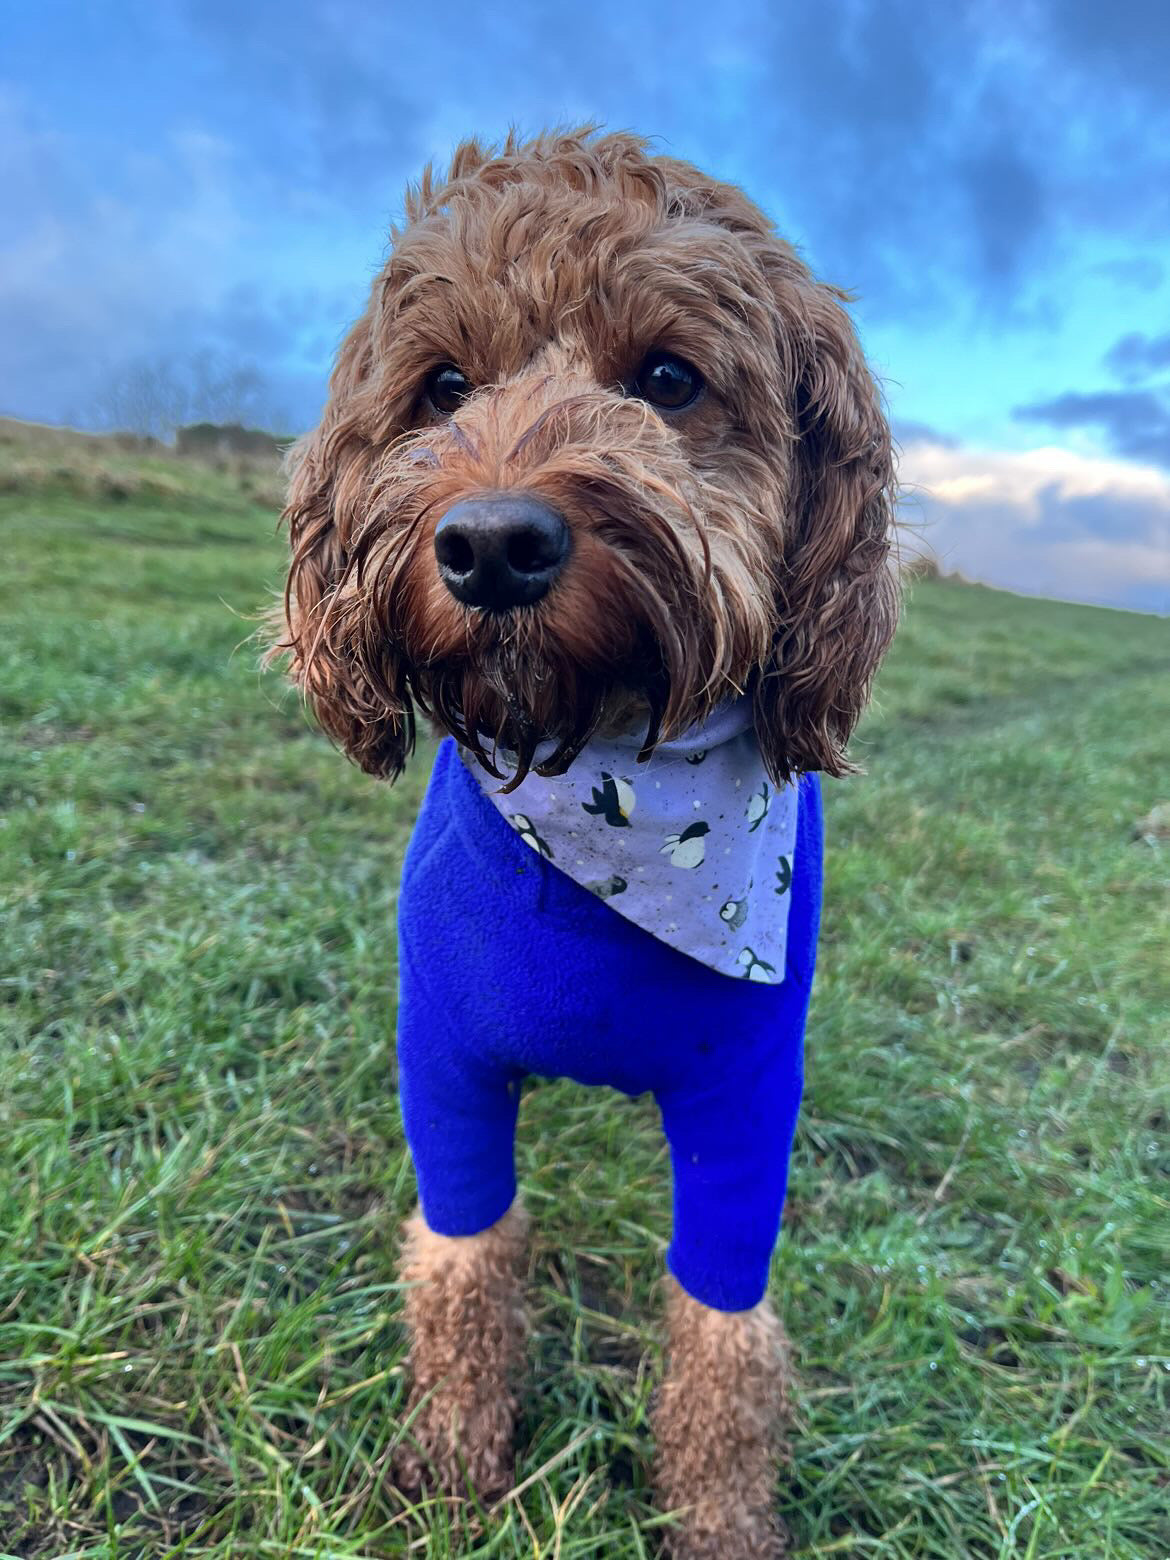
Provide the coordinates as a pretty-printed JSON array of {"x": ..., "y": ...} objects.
[
  {"x": 93, "y": 284},
  {"x": 1141, "y": 272},
  {"x": 909, "y": 432},
  {"x": 916, "y": 147},
  {"x": 906, "y": 146},
  {"x": 1136, "y": 356},
  {"x": 1135, "y": 422},
  {"x": 343, "y": 112},
  {"x": 1045, "y": 521},
  {"x": 1124, "y": 43}
]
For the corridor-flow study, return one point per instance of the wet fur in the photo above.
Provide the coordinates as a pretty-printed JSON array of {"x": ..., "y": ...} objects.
[
  {"x": 740, "y": 546},
  {"x": 718, "y": 1426},
  {"x": 464, "y": 1311}
]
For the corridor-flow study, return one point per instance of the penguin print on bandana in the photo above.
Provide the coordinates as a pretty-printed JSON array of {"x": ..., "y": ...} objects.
[
  {"x": 687, "y": 849},
  {"x": 607, "y": 889},
  {"x": 669, "y": 843},
  {"x": 614, "y": 801},
  {"x": 528, "y": 834},
  {"x": 757, "y": 807},
  {"x": 755, "y": 968}
]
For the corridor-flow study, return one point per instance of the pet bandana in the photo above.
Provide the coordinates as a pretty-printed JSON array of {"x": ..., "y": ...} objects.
[{"x": 695, "y": 845}]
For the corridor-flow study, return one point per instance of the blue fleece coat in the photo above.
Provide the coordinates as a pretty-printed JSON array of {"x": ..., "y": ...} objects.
[{"x": 509, "y": 968}]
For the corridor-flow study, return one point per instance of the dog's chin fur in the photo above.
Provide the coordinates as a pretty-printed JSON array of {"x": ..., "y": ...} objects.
[{"x": 741, "y": 546}]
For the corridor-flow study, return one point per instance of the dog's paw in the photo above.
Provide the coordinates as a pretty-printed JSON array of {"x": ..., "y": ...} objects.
[
  {"x": 718, "y": 1423},
  {"x": 457, "y": 1446},
  {"x": 464, "y": 1313},
  {"x": 700, "y": 1539}
]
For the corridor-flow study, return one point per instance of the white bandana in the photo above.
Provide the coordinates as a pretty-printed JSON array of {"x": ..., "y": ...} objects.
[{"x": 695, "y": 845}]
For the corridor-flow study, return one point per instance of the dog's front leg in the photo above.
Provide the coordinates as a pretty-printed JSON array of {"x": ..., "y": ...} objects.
[
  {"x": 718, "y": 1429},
  {"x": 464, "y": 1312}
]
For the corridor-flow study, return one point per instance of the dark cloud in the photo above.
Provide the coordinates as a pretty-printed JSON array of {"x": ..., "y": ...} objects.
[
  {"x": 909, "y": 432},
  {"x": 1138, "y": 272},
  {"x": 1008, "y": 202},
  {"x": 1125, "y": 41},
  {"x": 340, "y": 115},
  {"x": 1136, "y": 356},
  {"x": 915, "y": 147},
  {"x": 905, "y": 145},
  {"x": 1136, "y": 423},
  {"x": 897, "y": 148}
]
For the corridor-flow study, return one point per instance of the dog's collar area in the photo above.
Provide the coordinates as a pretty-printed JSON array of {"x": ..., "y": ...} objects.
[
  {"x": 727, "y": 722},
  {"x": 695, "y": 844}
]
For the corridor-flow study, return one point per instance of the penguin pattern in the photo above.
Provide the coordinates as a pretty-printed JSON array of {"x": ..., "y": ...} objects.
[
  {"x": 670, "y": 842},
  {"x": 608, "y": 887},
  {"x": 757, "y": 807},
  {"x": 755, "y": 968},
  {"x": 687, "y": 849},
  {"x": 614, "y": 801},
  {"x": 528, "y": 834}
]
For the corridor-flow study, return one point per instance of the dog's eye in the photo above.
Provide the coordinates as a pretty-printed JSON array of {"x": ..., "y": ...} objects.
[
  {"x": 447, "y": 388},
  {"x": 667, "y": 381}
]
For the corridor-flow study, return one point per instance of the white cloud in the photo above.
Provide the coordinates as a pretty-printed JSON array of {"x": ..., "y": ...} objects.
[
  {"x": 1018, "y": 477},
  {"x": 1047, "y": 521}
]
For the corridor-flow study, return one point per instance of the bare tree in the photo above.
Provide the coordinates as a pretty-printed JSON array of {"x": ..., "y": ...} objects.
[{"x": 155, "y": 395}]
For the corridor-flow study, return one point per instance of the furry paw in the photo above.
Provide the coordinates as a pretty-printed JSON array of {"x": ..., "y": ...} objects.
[
  {"x": 465, "y": 1315},
  {"x": 457, "y": 1445},
  {"x": 702, "y": 1534},
  {"x": 717, "y": 1422}
]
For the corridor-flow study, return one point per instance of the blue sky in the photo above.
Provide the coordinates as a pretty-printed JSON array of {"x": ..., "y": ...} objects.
[{"x": 212, "y": 181}]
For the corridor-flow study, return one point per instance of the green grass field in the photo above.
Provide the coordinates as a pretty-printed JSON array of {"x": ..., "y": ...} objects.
[{"x": 202, "y": 1171}]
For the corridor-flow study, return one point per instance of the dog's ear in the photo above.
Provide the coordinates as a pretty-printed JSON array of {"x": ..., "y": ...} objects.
[
  {"x": 328, "y": 473},
  {"x": 838, "y": 593}
]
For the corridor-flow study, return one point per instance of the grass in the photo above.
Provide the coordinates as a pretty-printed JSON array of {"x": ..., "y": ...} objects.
[{"x": 202, "y": 1171}]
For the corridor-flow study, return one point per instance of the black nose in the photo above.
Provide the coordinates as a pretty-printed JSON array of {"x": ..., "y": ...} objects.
[{"x": 500, "y": 550}]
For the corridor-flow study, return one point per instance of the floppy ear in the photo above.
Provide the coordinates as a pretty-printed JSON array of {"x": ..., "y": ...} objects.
[
  {"x": 839, "y": 594},
  {"x": 329, "y": 471}
]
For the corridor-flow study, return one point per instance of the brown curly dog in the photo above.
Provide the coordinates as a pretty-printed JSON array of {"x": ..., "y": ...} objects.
[{"x": 600, "y": 456}]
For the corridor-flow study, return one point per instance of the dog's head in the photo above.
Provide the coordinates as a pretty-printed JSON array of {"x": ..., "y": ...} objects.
[{"x": 599, "y": 451}]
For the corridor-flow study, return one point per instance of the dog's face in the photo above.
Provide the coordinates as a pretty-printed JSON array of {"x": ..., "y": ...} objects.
[{"x": 599, "y": 451}]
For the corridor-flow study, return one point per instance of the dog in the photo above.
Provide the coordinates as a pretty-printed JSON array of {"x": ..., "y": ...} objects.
[{"x": 604, "y": 489}]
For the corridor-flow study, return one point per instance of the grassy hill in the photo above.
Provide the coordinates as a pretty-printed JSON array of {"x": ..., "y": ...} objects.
[{"x": 201, "y": 1165}]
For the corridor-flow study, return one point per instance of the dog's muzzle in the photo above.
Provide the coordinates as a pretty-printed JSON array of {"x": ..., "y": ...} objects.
[{"x": 500, "y": 550}]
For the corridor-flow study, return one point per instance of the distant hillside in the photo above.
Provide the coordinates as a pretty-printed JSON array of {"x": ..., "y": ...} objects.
[{"x": 117, "y": 466}]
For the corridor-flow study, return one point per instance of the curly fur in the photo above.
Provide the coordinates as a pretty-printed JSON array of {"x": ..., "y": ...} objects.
[
  {"x": 718, "y": 1425},
  {"x": 740, "y": 546},
  {"x": 465, "y": 1317}
]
